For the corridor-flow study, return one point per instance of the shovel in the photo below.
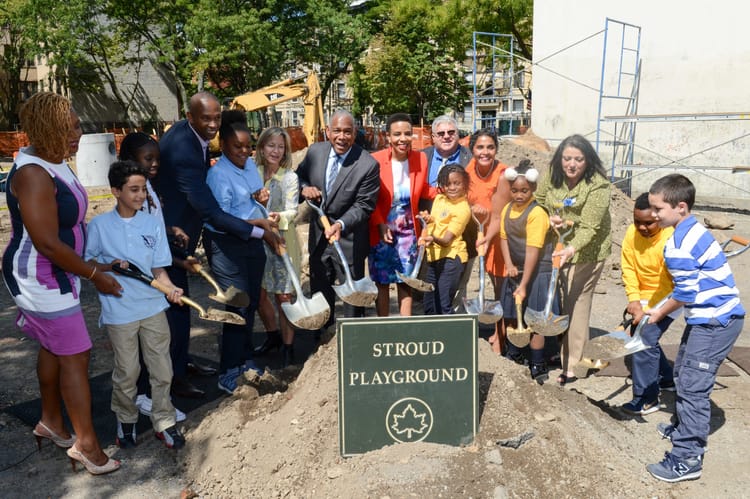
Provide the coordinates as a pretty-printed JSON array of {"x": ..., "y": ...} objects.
[
  {"x": 210, "y": 315},
  {"x": 619, "y": 343},
  {"x": 412, "y": 280},
  {"x": 360, "y": 293},
  {"x": 489, "y": 312},
  {"x": 305, "y": 313},
  {"x": 546, "y": 323},
  {"x": 519, "y": 336},
  {"x": 232, "y": 296},
  {"x": 738, "y": 240}
]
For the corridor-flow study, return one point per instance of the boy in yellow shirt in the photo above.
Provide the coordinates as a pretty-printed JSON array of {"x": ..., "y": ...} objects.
[{"x": 646, "y": 282}]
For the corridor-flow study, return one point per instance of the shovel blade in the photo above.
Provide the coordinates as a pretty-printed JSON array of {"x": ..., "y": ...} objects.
[
  {"x": 489, "y": 314},
  {"x": 361, "y": 293},
  {"x": 613, "y": 346},
  {"x": 517, "y": 337},
  {"x": 307, "y": 313},
  {"x": 212, "y": 314},
  {"x": 415, "y": 283},
  {"x": 552, "y": 325},
  {"x": 232, "y": 296}
]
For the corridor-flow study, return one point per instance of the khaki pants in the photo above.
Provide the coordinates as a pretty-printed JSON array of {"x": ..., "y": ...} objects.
[
  {"x": 153, "y": 333},
  {"x": 579, "y": 281}
]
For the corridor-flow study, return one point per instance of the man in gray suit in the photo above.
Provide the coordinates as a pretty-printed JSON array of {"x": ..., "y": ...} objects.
[{"x": 344, "y": 180}]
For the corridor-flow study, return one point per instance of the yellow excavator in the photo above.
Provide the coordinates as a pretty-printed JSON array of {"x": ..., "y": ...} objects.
[{"x": 287, "y": 90}]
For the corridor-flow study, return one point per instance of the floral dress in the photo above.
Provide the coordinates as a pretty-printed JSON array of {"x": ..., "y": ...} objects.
[{"x": 386, "y": 259}]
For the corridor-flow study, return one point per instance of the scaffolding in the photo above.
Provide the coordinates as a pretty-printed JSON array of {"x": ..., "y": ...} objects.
[
  {"x": 498, "y": 87},
  {"x": 618, "y": 115}
]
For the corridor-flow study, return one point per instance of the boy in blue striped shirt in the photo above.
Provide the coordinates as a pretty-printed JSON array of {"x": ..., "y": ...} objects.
[{"x": 704, "y": 285}]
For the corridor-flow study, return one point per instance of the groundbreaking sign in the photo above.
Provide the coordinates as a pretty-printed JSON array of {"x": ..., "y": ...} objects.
[{"x": 407, "y": 379}]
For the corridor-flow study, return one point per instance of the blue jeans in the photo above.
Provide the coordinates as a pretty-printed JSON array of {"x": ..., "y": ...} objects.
[
  {"x": 651, "y": 365},
  {"x": 702, "y": 350},
  {"x": 445, "y": 275},
  {"x": 237, "y": 263}
]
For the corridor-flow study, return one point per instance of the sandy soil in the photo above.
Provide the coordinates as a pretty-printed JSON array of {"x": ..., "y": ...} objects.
[{"x": 277, "y": 440}]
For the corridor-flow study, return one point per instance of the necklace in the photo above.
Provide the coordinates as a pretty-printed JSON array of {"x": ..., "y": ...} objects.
[{"x": 484, "y": 176}]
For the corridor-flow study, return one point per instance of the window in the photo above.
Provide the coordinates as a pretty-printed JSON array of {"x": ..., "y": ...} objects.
[
  {"x": 295, "y": 118},
  {"x": 505, "y": 106},
  {"x": 340, "y": 90},
  {"x": 517, "y": 105}
]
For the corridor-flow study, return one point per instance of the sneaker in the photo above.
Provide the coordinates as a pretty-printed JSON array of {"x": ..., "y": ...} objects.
[
  {"x": 667, "y": 385},
  {"x": 249, "y": 365},
  {"x": 144, "y": 405},
  {"x": 228, "y": 380},
  {"x": 665, "y": 430},
  {"x": 639, "y": 407},
  {"x": 673, "y": 469},
  {"x": 171, "y": 437},
  {"x": 126, "y": 436}
]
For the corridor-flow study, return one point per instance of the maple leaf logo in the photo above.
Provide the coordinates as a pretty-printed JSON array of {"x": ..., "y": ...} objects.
[{"x": 409, "y": 421}]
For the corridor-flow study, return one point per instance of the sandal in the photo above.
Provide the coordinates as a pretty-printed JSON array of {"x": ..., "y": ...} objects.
[{"x": 565, "y": 379}]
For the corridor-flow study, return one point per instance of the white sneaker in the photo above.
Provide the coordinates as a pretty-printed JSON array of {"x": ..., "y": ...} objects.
[{"x": 143, "y": 403}]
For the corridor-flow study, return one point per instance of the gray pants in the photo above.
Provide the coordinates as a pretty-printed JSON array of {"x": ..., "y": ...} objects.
[{"x": 702, "y": 350}]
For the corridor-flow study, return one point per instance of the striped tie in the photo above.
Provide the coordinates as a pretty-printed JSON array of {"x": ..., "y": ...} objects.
[{"x": 333, "y": 171}]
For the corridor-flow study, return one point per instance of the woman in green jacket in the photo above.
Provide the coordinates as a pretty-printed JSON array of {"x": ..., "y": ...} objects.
[{"x": 576, "y": 188}]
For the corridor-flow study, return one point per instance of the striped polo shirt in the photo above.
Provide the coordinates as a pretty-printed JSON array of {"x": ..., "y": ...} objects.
[{"x": 702, "y": 277}]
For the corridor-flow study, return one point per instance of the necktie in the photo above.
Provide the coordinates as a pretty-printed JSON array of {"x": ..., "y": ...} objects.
[
  {"x": 333, "y": 170},
  {"x": 208, "y": 158}
]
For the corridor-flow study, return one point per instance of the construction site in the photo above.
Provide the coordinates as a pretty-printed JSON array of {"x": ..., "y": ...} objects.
[{"x": 604, "y": 71}]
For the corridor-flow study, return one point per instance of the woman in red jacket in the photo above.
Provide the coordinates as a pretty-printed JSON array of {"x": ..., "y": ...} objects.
[{"x": 393, "y": 227}]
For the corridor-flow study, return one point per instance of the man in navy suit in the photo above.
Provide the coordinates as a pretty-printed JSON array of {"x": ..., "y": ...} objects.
[
  {"x": 345, "y": 180},
  {"x": 188, "y": 203}
]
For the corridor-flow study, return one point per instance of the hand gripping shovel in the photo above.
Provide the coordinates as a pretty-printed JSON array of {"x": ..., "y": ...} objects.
[
  {"x": 360, "y": 293},
  {"x": 519, "y": 336},
  {"x": 305, "y": 313},
  {"x": 412, "y": 280},
  {"x": 489, "y": 312},
  {"x": 546, "y": 323},
  {"x": 232, "y": 296},
  {"x": 210, "y": 315}
]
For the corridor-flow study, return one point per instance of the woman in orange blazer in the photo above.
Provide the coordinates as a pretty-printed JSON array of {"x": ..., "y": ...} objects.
[{"x": 394, "y": 229}]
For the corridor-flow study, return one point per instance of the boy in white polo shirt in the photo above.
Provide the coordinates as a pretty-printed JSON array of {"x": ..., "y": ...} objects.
[{"x": 136, "y": 319}]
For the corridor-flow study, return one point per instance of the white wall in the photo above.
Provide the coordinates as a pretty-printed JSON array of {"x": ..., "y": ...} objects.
[{"x": 695, "y": 59}]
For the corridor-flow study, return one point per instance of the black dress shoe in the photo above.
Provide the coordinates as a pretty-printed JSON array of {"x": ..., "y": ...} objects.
[
  {"x": 184, "y": 388},
  {"x": 273, "y": 342},
  {"x": 200, "y": 369}
]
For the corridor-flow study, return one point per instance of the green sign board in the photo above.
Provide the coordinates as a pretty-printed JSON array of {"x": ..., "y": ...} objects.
[{"x": 407, "y": 379}]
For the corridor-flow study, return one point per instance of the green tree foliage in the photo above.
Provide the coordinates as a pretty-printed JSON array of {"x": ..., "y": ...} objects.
[
  {"x": 412, "y": 66},
  {"x": 15, "y": 50}
]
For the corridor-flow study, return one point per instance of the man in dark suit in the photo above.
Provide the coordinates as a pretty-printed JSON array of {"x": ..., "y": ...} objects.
[
  {"x": 345, "y": 179},
  {"x": 188, "y": 203}
]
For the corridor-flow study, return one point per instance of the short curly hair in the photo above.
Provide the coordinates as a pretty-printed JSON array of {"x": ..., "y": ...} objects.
[{"x": 45, "y": 117}]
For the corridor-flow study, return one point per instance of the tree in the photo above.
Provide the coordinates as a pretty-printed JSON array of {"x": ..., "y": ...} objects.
[
  {"x": 412, "y": 66},
  {"x": 15, "y": 50}
]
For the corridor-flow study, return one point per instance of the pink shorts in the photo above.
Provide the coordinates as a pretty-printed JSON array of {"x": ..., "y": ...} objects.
[{"x": 61, "y": 335}]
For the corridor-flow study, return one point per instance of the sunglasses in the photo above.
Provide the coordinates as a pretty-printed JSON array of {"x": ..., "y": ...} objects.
[{"x": 449, "y": 133}]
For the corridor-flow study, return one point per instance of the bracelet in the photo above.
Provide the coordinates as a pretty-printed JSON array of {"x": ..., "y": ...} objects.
[{"x": 93, "y": 272}]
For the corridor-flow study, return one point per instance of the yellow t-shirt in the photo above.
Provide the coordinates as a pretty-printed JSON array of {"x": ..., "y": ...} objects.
[
  {"x": 449, "y": 216},
  {"x": 537, "y": 224},
  {"x": 643, "y": 271}
]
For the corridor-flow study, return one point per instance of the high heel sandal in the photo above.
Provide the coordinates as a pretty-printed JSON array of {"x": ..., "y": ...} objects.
[
  {"x": 63, "y": 443},
  {"x": 75, "y": 455}
]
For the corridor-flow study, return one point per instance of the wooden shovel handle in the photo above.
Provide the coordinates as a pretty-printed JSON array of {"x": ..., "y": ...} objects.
[
  {"x": 556, "y": 259},
  {"x": 327, "y": 225},
  {"x": 482, "y": 249},
  {"x": 183, "y": 299},
  {"x": 741, "y": 240}
]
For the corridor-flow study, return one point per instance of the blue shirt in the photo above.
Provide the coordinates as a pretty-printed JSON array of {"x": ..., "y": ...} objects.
[
  {"x": 141, "y": 240},
  {"x": 437, "y": 162},
  {"x": 701, "y": 274},
  {"x": 234, "y": 187}
]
